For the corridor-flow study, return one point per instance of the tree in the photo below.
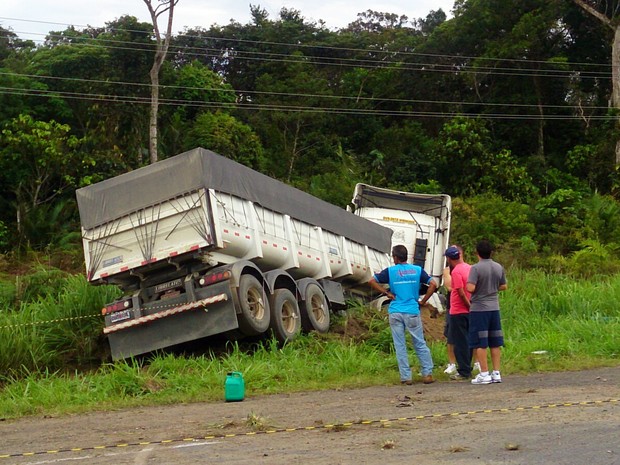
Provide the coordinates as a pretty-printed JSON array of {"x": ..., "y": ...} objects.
[
  {"x": 293, "y": 137},
  {"x": 88, "y": 79},
  {"x": 225, "y": 135},
  {"x": 470, "y": 167},
  {"x": 608, "y": 14},
  {"x": 38, "y": 163},
  {"x": 10, "y": 43},
  {"x": 163, "y": 42},
  {"x": 377, "y": 22}
]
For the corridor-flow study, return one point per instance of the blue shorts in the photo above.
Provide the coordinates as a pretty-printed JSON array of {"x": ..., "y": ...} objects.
[
  {"x": 485, "y": 330},
  {"x": 446, "y": 331}
]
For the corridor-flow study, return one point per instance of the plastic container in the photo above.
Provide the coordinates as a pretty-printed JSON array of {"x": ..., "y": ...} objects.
[{"x": 234, "y": 387}]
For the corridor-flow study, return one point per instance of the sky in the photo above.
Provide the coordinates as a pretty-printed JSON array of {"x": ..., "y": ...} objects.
[{"x": 32, "y": 19}]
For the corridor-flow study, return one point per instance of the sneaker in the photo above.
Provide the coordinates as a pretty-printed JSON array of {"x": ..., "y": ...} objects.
[
  {"x": 428, "y": 379},
  {"x": 408, "y": 382},
  {"x": 482, "y": 379},
  {"x": 476, "y": 367},
  {"x": 496, "y": 377},
  {"x": 450, "y": 369},
  {"x": 458, "y": 377}
]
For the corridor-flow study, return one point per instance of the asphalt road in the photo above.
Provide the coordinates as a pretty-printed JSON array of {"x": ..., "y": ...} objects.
[{"x": 559, "y": 418}]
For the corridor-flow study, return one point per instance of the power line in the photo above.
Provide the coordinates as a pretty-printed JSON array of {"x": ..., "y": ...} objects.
[
  {"x": 287, "y": 108},
  {"x": 360, "y": 63},
  {"x": 450, "y": 68},
  {"x": 326, "y": 47},
  {"x": 301, "y": 95}
]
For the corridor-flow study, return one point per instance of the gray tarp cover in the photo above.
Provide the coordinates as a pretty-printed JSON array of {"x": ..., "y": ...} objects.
[{"x": 199, "y": 168}]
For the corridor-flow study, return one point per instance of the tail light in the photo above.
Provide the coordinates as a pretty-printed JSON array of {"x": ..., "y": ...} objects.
[
  {"x": 213, "y": 278},
  {"x": 116, "y": 306}
]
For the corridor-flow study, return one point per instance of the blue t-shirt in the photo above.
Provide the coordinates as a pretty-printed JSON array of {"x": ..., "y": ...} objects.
[{"x": 404, "y": 280}]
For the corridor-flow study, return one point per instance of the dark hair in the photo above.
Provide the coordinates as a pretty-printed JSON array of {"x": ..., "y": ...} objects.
[
  {"x": 400, "y": 252},
  {"x": 484, "y": 248}
]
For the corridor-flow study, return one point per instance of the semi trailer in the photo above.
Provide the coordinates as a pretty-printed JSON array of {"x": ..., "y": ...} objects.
[{"x": 201, "y": 245}]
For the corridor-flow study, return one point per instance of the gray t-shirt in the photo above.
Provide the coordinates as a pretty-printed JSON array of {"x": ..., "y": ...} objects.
[{"x": 487, "y": 276}]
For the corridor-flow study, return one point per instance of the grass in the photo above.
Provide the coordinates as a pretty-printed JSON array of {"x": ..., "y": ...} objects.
[
  {"x": 54, "y": 328},
  {"x": 575, "y": 323}
]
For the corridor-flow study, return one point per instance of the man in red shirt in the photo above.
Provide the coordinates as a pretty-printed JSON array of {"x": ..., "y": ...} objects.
[{"x": 459, "y": 312}]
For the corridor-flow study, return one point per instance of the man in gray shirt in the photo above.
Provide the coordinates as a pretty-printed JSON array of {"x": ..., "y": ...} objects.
[{"x": 486, "y": 279}]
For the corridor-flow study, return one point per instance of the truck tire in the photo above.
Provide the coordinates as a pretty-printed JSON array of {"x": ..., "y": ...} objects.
[
  {"x": 285, "y": 322},
  {"x": 315, "y": 311},
  {"x": 255, "y": 312}
]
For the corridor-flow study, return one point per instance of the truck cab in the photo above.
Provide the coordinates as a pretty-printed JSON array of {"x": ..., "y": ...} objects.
[{"x": 420, "y": 222}]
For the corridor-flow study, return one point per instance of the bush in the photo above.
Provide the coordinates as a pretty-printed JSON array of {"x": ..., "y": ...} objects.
[
  {"x": 506, "y": 224},
  {"x": 593, "y": 259}
]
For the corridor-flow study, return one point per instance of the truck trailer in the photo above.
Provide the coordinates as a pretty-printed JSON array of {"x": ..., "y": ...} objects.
[{"x": 202, "y": 245}]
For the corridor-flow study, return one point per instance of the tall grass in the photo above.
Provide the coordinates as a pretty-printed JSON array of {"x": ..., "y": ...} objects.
[
  {"x": 309, "y": 363},
  {"x": 551, "y": 322},
  {"x": 574, "y": 323},
  {"x": 54, "y": 328}
]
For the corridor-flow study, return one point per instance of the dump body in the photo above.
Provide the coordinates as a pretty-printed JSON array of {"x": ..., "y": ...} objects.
[{"x": 202, "y": 245}]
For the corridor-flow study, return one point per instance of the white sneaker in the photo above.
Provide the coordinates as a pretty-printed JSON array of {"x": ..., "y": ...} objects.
[
  {"x": 476, "y": 367},
  {"x": 496, "y": 377},
  {"x": 450, "y": 369},
  {"x": 482, "y": 379}
]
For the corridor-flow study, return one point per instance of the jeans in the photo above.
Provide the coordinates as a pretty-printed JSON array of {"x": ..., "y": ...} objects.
[{"x": 412, "y": 323}]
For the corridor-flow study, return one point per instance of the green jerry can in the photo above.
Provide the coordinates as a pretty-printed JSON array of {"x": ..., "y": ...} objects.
[{"x": 234, "y": 387}]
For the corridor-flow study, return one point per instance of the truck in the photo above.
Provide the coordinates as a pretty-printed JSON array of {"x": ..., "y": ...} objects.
[{"x": 202, "y": 245}]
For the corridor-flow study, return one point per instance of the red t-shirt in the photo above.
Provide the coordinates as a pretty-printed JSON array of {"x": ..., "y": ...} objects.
[{"x": 459, "y": 276}]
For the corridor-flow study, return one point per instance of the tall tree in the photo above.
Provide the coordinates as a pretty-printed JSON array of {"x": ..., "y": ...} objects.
[
  {"x": 39, "y": 161},
  {"x": 163, "y": 41},
  {"x": 608, "y": 14},
  {"x": 76, "y": 64}
]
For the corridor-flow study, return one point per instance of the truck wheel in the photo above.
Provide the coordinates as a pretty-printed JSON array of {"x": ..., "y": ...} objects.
[
  {"x": 255, "y": 314},
  {"x": 285, "y": 322},
  {"x": 315, "y": 312}
]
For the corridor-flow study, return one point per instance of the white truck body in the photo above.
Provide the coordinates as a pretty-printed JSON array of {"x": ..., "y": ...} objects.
[{"x": 201, "y": 245}]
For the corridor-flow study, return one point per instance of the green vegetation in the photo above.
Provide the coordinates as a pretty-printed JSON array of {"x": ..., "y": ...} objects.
[
  {"x": 504, "y": 106},
  {"x": 50, "y": 321},
  {"x": 575, "y": 322}
]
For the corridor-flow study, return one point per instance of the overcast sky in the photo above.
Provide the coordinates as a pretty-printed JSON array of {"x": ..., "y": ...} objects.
[{"x": 32, "y": 19}]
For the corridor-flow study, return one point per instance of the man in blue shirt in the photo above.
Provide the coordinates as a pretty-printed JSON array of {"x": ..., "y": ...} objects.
[{"x": 404, "y": 280}]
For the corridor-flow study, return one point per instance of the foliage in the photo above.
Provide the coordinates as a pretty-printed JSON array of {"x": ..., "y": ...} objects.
[
  {"x": 506, "y": 100},
  {"x": 4, "y": 237},
  {"x": 469, "y": 166},
  {"x": 593, "y": 259},
  {"x": 508, "y": 225},
  {"x": 38, "y": 284},
  {"x": 602, "y": 218},
  {"x": 38, "y": 162},
  {"x": 540, "y": 311},
  {"x": 224, "y": 134},
  {"x": 559, "y": 218},
  {"x": 54, "y": 323}
]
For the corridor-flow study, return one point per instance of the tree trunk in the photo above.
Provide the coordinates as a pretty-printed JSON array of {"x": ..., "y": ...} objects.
[
  {"x": 295, "y": 151},
  {"x": 160, "y": 56},
  {"x": 614, "y": 25},
  {"x": 153, "y": 155},
  {"x": 541, "y": 121},
  {"x": 615, "y": 79}
]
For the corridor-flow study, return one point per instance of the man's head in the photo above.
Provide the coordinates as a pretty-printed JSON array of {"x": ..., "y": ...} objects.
[
  {"x": 484, "y": 249},
  {"x": 452, "y": 253},
  {"x": 399, "y": 254}
]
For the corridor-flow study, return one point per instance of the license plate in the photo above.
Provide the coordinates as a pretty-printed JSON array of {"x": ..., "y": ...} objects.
[
  {"x": 120, "y": 316},
  {"x": 169, "y": 285}
]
